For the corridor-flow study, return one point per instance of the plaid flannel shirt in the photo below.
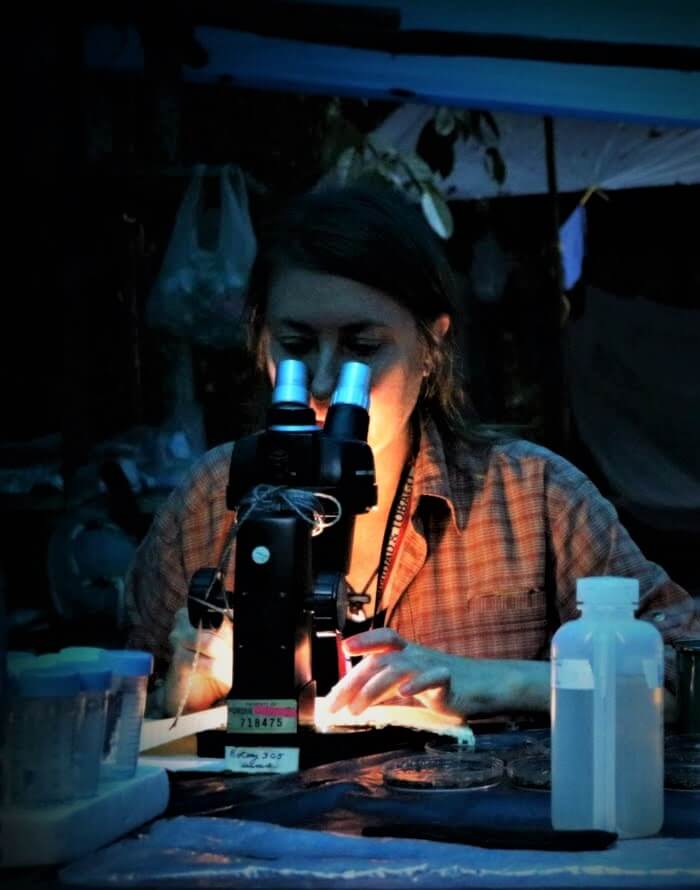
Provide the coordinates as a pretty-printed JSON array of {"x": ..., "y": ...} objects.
[{"x": 487, "y": 566}]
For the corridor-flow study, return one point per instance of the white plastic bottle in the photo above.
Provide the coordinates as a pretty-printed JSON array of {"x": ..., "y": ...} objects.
[{"x": 607, "y": 714}]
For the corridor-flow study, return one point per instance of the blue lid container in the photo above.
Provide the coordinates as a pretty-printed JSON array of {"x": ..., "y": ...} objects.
[
  {"x": 49, "y": 682},
  {"x": 93, "y": 675},
  {"x": 128, "y": 662}
]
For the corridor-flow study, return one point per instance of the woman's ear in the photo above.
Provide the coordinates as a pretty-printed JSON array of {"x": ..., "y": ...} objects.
[
  {"x": 441, "y": 326},
  {"x": 438, "y": 328},
  {"x": 264, "y": 359}
]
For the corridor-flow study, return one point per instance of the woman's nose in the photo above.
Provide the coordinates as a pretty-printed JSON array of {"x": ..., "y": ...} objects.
[{"x": 323, "y": 377}]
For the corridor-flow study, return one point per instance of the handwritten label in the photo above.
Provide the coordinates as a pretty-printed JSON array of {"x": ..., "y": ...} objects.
[
  {"x": 262, "y": 760},
  {"x": 262, "y": 715}
]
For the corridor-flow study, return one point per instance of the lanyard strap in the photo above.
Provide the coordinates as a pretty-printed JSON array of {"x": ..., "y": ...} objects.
[
  {"x": 395, "y": 528},
  {"x": 398, "y": 520}
]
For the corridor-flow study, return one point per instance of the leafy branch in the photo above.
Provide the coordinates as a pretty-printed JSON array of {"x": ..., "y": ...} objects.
[{"x": 354, "y": 155}]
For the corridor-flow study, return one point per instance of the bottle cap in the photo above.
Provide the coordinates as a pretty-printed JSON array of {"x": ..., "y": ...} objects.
[
  {"x": 607, "y": 591},
  {"x": 80, "y": 653},
  {"x": 48, "y": 659},
  {"x": 20, "y": 661},
  {"x": 128, "y": 662},
  {"x": 93, "y": 676},
  {"x": 50, "y": 682}
]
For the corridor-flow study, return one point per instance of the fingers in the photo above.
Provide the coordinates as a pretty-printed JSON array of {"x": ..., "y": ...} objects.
[
  {"x": 370, "y": 642},
  {"x": 212, "y": 645},
  {"x": 376, "y": 679},
  {"x": 431, "y": 679}
]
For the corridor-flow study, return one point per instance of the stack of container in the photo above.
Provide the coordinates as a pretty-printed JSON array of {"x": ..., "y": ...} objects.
[{"x": 73, "y": 723}]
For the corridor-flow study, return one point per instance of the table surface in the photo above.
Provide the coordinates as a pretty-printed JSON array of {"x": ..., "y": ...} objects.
[{"x": 305, "y": 830}]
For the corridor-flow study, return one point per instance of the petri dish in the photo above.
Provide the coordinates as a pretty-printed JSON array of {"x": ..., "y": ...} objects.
[
  {"x": 505, "y": 746},
  {"x": 685, "y": 745},
  {"x": 533, "y": 772},
  {"x": 540, "y": 737},
  {"x": 426, "y": 772},
  {"x": 681, "y": 774}
]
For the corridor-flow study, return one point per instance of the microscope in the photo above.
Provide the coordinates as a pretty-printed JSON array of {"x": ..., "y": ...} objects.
[{"x": 296, "y": 488}]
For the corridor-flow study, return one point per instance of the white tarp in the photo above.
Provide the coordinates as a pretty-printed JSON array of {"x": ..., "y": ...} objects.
[
  {"x": 608, "y": 154},
  {"x": 635, "y": 395}
]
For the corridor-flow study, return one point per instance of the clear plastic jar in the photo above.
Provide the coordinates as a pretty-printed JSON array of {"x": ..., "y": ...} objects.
[
  {"x": 126, "y": 705},
  {"x": 46, "y": 709},
  {"x": 95, "y": 682}
]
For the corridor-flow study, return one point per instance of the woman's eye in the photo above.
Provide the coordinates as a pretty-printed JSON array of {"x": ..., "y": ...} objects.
[
  {"x": 296, "y": 346},
  {"x": 364, "y": 347}
]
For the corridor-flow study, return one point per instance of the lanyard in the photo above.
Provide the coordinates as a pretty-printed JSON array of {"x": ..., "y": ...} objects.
[{"x": 393, "y": 534}]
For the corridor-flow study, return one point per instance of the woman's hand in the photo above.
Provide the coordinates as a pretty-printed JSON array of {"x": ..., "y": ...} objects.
[
  {"x": 393, "y": 667},
  {"x": 212, "y": 678},
  {"x": 447, "y": 684}
]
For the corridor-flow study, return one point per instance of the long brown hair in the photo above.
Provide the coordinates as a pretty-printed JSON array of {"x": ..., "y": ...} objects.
[{"x": 377, "y": 237}]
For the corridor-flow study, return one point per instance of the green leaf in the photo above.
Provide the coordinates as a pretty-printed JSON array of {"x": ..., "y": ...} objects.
[
  {"x": 389, "y": 169},
  {"x": 444, "y": 121},
  {"x": 417, "y": 166},
  {"x": 436, "y": 211},
  {"x": 491, "y": 121},
  {"x": 347, "y": 164},
  {"x": 437, "y": 151},
  {"x": 495, "y": 165},
  {"x": 475, "y": 125}
]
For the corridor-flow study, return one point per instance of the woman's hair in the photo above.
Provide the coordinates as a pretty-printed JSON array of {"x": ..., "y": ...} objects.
[{"x": 374, "y": 236}]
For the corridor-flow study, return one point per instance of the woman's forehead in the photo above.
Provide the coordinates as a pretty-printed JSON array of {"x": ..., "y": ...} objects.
[{"x": 318, "y": 299}]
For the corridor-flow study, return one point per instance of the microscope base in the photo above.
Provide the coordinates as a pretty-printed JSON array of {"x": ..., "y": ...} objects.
[{"x": 314, "y": 748}]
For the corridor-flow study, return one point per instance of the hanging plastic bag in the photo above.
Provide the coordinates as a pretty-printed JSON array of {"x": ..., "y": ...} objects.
[{"x": 198, "y": 295}]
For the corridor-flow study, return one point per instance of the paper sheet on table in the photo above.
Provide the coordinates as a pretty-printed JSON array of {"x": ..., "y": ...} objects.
[
  {"x": 410, "y": 716},
  {"x": 159, "y": 732}
]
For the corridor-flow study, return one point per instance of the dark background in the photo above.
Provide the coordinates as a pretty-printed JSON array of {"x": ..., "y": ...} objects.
[{"x": 95, "y": 169}]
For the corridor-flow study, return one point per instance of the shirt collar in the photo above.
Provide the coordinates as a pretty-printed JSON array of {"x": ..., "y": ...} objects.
[{"x": 452, "y": 480}]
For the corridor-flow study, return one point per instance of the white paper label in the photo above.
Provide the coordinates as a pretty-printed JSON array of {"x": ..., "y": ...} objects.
[
  {"x": 262, "y": 760},
  {"x": 262, "y": 715},
  {"x": 573, "y": 673}
]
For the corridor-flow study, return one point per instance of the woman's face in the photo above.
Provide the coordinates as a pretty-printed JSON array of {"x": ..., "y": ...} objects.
[{"x": 324, "y": 321}]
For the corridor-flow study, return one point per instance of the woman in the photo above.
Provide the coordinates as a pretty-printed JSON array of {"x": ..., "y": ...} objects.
[{"x": 470, "y": 562}]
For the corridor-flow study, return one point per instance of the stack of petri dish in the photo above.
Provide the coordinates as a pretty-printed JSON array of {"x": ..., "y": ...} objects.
[
  {"x": 682, "y": 762},
  {"x": 525, "y": 755},
  {"x": 533, "y": 773}
]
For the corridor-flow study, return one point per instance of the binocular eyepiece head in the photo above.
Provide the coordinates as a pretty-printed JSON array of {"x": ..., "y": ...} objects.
[{"x": 352, "y": 388}]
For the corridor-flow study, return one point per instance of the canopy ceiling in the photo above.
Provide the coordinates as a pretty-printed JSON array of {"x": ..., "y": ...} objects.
[{"x": 623, "y": 60}]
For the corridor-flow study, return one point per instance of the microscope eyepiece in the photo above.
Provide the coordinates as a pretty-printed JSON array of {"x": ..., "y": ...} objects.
[
  {"x": 353, "y": 386},
  {"x": 291, "y": 383}
]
